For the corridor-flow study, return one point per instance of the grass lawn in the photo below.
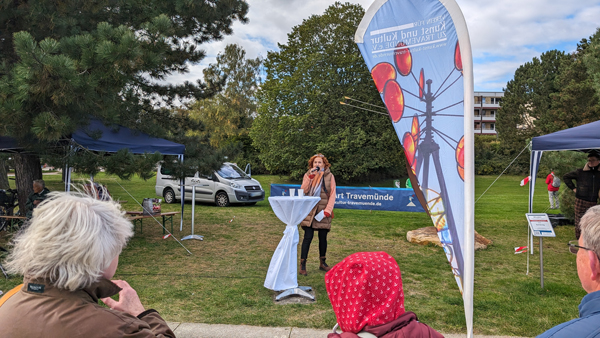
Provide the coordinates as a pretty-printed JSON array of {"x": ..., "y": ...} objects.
[{"x": 222, "y": 281}]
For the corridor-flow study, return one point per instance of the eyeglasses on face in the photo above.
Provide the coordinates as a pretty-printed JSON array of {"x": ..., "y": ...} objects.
[{"x": 574, "y": 248}]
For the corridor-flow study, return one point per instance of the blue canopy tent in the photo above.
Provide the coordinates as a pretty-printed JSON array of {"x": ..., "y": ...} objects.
[
  {"x": 580, "y": 138},
  {"x": 112, "y": 139},
  {"x": 8, "y": 144}
]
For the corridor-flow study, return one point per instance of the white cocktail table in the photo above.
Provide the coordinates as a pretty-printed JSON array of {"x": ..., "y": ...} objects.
[{"x": 283, "y": 270}]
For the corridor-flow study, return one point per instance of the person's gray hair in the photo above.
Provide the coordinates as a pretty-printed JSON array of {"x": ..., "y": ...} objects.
[
  {"x": 41, "y": 183},
  {"x": 71, "y": 239},
  {"x": 590, "y": 228}
]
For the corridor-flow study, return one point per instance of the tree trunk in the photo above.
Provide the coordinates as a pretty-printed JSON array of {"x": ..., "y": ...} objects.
[
  {"x": 27, "y": 169},
  {"x": 4, "y": 175}
]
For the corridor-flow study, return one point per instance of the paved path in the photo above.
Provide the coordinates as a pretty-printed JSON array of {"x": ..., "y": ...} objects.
[{"x": 194, "y": 330}]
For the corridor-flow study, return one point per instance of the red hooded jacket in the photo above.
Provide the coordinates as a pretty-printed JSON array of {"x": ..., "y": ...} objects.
[{"x": 365, "y": 290}]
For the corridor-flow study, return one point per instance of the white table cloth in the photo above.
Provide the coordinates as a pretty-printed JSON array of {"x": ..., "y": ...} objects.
[{"x": 282, "y": 273}]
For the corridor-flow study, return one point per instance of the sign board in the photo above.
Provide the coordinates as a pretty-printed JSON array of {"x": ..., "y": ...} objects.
[
  {"x": 540, "y": 225},
  {"x": 365, "y": 198}
]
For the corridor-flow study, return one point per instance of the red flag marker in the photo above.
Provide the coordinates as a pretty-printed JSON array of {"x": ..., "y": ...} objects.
[{"x": 520, "y": 249}]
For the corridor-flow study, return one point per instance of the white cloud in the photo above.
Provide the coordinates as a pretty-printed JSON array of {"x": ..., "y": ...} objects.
[{"x": 504, "y": 33}]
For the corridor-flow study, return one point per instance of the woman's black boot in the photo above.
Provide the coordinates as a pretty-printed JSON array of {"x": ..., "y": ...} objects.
[
  {"x": 302, "y": 267},
  {"x": 324, "y": 265}
]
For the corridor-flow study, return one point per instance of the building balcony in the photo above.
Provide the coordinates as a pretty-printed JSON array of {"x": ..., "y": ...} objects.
[
  {"x": 488, "y": 118},
  {"x": 486, "y": 131},
  {"x": 487, "y": 105},
  {"x": 484, "y": 118}
]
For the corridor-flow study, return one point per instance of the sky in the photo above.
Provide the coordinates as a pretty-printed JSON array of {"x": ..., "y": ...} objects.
[{"x": 504, "y": 33}]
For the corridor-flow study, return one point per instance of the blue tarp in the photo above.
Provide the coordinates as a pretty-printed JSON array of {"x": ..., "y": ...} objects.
[
  {"x": 364, "y": 198},
  {"x": 112, "y": 140},
  {"x": 8, "y": 143},
  {"x": 581, "y": 138}
]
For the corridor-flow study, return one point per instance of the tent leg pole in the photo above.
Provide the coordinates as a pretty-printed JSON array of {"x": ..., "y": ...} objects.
[{"x": 182, "y": 194}]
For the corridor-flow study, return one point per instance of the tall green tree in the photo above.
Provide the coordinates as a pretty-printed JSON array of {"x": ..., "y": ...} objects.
[
  {"x": 300, "y": 114},
  {"x": 62, "y": 63},
  {"x": 228, "y": 116},
  {"x": 576, "y": 101},
  {"x": 592, "y": 59},
  {"x": 527, "y": 103},
  {"x": 550, "y": 93}
]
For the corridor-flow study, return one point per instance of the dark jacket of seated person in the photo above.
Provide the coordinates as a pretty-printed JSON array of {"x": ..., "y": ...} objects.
[
  {"x": 40, "y": 193},
  {"x": 365, "y": 290}
]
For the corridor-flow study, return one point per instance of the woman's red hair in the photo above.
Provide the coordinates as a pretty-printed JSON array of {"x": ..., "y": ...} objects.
[{"x": 312, "y": 159}]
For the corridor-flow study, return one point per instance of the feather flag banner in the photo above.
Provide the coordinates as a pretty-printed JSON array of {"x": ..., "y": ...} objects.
[{"x": 419, "y": 56}]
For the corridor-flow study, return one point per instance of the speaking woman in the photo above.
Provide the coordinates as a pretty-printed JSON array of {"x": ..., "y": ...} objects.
[{"x": 318, "y": 181}]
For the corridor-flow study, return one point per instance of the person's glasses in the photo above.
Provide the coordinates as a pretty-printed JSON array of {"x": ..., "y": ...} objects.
[{"x": 574, "y": 248}]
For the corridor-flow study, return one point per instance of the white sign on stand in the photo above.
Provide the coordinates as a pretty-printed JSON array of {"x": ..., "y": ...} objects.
[{"x": 540, "y": 227}]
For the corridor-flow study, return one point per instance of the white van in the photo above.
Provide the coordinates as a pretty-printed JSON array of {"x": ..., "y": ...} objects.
[{"x": 229, "y": 184}]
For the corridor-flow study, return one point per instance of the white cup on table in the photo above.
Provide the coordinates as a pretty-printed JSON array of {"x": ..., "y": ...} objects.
[
  {"x": 292, "y": 192},
  {"x": 300, "y": 192}
]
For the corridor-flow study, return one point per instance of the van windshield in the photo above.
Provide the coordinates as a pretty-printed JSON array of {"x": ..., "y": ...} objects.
[{"x": 231, "y": 172}]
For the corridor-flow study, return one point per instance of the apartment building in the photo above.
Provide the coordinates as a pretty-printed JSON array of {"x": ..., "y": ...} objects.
[{"x": 486, "y": 107}]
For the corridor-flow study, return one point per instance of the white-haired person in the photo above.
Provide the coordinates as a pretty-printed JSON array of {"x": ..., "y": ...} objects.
[
  {"x": 67, "y": 256},
  {"x": 587, "y": 249}
]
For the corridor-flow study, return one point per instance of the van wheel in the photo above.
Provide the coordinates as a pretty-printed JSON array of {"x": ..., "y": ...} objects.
[
  {"x": 169, "y": 195},
  {"x": 221, "y": 199}
]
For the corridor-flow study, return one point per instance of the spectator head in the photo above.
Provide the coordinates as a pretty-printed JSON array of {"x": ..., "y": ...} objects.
[
  {"x": 322, "y": 157},
  {"x": 593, "y": 158},
  {"x": 588, "y": 262},
  {"x": 38, "y": 186},
  {"x": 365, "y": 289},
  {"x": 72, "y": 240}
]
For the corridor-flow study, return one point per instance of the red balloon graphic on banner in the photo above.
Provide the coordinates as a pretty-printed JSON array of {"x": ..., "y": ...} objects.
[
  {"x": 421, "y": 84},
  {"x": 394, "y": 100},
  {"x": 410, "y": 150},
  {"x": 403, "y": 59},
  {"x": 460, "y": 158},
  {"x": 381, "y": 73},
  {"x": 415, "y": 129},
  {"x": 457, "y": 58}
]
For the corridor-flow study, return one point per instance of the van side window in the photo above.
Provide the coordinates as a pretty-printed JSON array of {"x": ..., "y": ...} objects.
[
  {"x": 208, "y": 177},
  {"x": 165, "y": 171}
]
